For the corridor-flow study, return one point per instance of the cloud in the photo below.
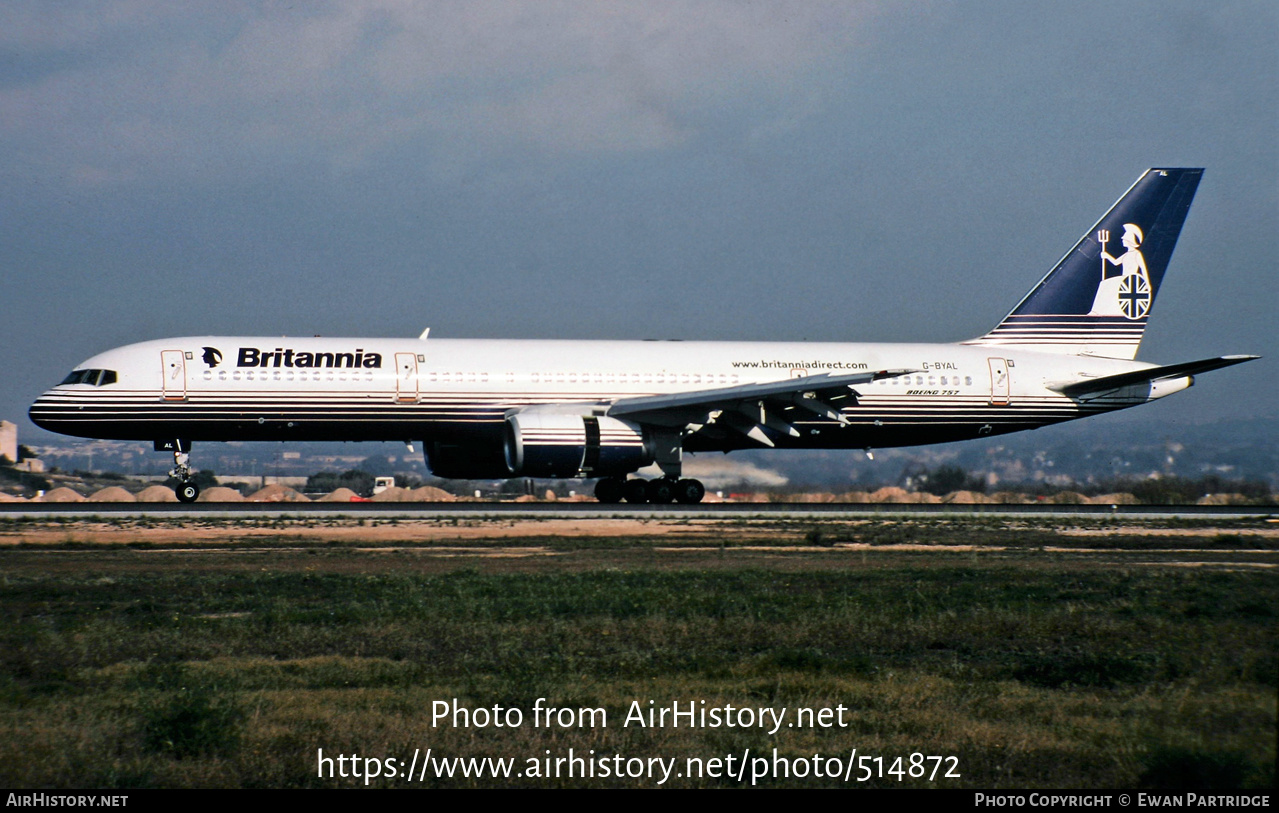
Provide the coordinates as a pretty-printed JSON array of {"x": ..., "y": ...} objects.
[{"x": 132, "y": 89}]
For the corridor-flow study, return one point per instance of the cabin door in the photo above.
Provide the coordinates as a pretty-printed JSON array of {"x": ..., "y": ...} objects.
[
  {"x": 1000, "y": 382},
  {"x": 406, "y": 378},
  {"x": 173, "y": 364}
]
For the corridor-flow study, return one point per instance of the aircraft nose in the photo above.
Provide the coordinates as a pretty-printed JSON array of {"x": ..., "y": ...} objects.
[{"x": 38, "y": 412}]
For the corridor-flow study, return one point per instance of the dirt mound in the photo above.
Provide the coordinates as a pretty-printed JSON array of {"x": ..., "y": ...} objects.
[
  {"x": 1010, "y": 498},
  {"x": 856, "y": 496},
  {"x": 813, "y": 497},
  {"x": 61, "y": 494},
  {"x": 276, "y": 493},
  {"x": 112, "y": 494},
  {"x": 1122, "y": 498},
  {"x": 393, "y": 494},
  {"x": 891, "y": 494},
  {"x": 221, "y": 494},
  {"x": 6, "y": 497},
  {"x": 343, "y": 494},
  {"x": 431, "y": 494},
  {"x": 1222, "y": 499},
  {"x": 966, "y": 498},
  {"x": 1068, "y": 498},
  {"x": 156, "y": 494}
]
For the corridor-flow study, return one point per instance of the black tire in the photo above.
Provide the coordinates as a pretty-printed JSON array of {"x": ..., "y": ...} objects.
[
  {"x": 610, "y": 490},
  {"x": 661, "y": 491},
  {"x": 187, "y": 492},
  {"x": 635, "y": 491},
  {"x": 689, "y": 492}
]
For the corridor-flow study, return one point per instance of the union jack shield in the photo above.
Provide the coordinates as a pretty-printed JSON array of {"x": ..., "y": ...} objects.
[{"x": 1134, "y": 296}]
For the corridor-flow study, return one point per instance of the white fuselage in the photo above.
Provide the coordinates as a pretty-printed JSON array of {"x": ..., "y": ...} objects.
[{"x": 255, "y": 388}]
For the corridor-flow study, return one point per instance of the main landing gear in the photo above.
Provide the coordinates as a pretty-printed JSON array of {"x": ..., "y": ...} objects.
[{"x": 661, "y": 491}]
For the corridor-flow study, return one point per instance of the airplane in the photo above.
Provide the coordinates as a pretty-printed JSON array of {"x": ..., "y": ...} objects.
[{"x": 493, "y": 409}]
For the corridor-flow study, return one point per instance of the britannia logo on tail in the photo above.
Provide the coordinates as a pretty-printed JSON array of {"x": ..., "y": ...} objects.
[{"x": 1125, "y": 285}]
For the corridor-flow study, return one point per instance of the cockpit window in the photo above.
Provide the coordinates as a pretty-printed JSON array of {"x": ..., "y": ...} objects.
[{"x": 96, "y": 378}]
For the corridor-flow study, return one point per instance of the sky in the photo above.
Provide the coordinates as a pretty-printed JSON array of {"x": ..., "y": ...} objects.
[{"x": 847, "y": 171}]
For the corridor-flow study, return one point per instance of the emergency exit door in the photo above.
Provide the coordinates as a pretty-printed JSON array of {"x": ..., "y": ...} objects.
[
  {"x": 1000, "y": 382},
  {"x": 406, "y": 378},
  {"x": 174, "y": 370}
]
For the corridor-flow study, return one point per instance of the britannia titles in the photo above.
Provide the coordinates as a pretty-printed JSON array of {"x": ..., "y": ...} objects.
[{"x": 282, "y": 357}]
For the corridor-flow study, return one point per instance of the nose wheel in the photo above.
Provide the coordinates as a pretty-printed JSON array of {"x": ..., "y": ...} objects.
[{"x": 186, "y": 489}]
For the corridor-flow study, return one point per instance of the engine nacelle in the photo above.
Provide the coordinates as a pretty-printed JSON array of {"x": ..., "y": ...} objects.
[
  {"x": 475, "y": 456},
  {"x": 544, "y": 443}
]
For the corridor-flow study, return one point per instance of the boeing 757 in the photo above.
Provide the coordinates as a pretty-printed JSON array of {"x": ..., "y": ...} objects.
[{"x": 490, "y": 409}]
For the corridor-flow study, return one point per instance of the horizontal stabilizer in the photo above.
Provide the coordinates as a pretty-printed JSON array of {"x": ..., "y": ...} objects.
[{"x": 1112, "y": 382}]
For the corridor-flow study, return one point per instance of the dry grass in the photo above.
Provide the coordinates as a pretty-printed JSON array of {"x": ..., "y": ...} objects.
[{"x": 127, "y": 665}]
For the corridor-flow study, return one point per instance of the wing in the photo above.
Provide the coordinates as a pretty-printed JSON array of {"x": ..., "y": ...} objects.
[{"x": 750, "y": 408}]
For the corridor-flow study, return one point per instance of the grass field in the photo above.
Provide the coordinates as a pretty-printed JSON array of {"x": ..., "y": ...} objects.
[{"x": 140, "y": 653}]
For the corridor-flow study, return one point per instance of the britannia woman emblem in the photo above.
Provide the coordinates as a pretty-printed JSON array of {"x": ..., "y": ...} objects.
[{"x": 1125, "y": 286}]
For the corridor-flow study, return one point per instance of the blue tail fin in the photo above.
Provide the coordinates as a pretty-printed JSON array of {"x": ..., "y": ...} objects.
[{"x": 1097, "y": 299}]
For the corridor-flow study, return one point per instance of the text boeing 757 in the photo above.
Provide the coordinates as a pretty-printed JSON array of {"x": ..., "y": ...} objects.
[{"x": 488, "y": 409}]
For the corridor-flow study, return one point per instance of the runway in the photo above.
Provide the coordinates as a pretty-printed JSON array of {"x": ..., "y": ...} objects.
[{"x": 591, "y": 510}]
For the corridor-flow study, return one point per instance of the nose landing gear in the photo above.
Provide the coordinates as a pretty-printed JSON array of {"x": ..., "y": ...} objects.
[{"x": 186, "y": 489}]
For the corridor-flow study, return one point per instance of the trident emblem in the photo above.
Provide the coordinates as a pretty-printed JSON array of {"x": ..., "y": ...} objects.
[{"x": 1103, "y": 237}]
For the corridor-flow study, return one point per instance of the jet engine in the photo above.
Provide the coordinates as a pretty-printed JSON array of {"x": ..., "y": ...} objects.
[{"x": 545, "y": 443}]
